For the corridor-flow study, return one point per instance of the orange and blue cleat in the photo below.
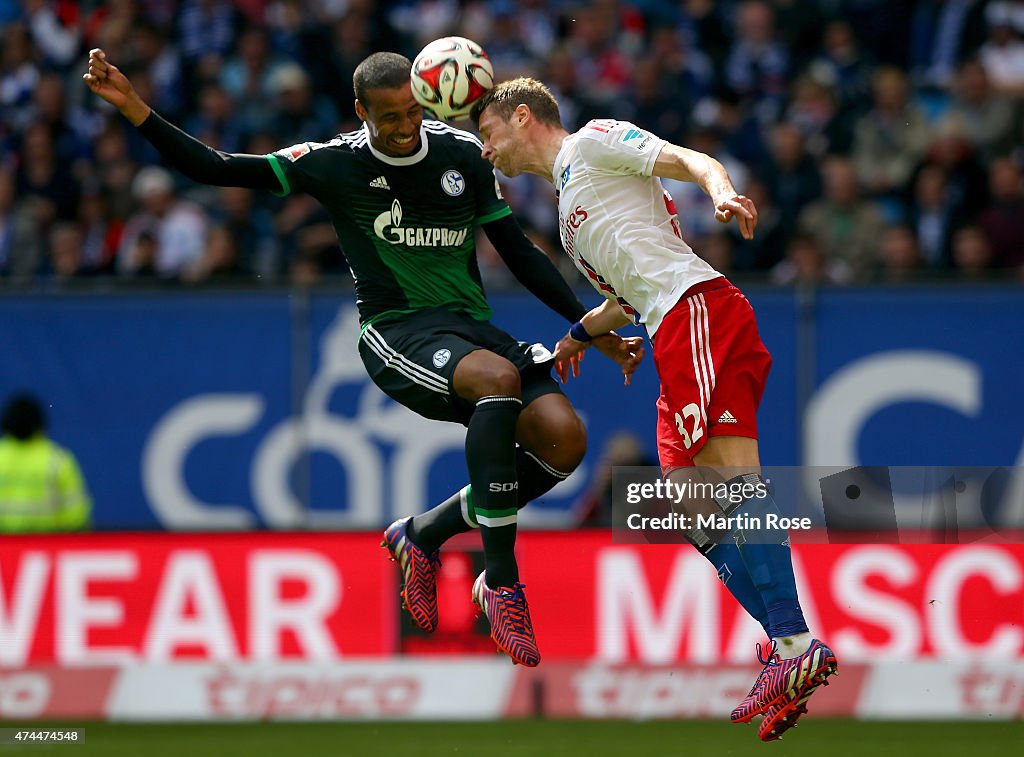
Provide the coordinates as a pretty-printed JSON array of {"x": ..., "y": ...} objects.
[
  {"x": 419, "y": 574},
  {"x": 509, "y": 616}
]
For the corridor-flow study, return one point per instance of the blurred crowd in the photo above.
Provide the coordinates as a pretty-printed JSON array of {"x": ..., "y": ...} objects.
[{"x": 882, "y": 140}]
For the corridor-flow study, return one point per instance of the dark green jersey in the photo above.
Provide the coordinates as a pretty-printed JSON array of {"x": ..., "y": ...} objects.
[{"x": 406, "y": 225}]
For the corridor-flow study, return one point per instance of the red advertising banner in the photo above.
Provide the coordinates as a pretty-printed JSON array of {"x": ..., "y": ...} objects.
[
  {"x": 110, "y": 599},
  {"x": 662, "y": 604},
  {"x": 106, "y": 599}
]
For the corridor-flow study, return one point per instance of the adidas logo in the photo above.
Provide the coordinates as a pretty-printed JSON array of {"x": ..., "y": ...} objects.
[
  {"x": 380, "y": 183},
  {"x": 727, "y": 417}
]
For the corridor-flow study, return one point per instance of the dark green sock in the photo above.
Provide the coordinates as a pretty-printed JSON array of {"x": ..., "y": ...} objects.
[
  {"x": 491, "y": 458},
  {"x": 433, "y": 528}
]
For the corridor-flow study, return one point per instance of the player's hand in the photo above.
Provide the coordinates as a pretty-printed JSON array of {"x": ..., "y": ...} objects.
[
  {"x": 568, "y": 354},
  {"x": 743, "y": 209},
  {"x": 627, "y": 352},
  {"x": 106, "y": 80}
]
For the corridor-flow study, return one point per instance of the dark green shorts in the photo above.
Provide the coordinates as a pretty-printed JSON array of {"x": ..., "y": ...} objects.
[{"x": 413, "y": 358}]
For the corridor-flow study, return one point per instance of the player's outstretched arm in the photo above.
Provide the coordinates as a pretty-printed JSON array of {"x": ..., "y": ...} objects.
[
  {"x": 190, "y": 156},
  {"x": 532, "y": 268},
  {"x": 683, "y": 164}
]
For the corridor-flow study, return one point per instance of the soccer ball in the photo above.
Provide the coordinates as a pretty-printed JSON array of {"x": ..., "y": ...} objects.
[{"x": 450, "y": 75}]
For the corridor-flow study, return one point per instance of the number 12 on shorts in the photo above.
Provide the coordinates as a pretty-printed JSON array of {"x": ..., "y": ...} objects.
[{"x": 690, "y": 413}]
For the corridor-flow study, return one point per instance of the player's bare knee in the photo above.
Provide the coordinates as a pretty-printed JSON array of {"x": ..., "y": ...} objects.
[
  {"x": 497, "y": 380},
  {"x": 558, "y": 438},
  {"x": 484, "y": 374}
]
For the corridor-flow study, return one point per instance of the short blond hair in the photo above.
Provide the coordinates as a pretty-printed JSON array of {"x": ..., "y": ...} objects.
[{"x": 505, "y": 97}]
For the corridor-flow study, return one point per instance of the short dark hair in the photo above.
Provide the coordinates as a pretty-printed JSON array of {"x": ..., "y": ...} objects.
[
  {"x": 23, "y": 417},
  {"x": 504, "y": 98},
  {"x": 380, "y": 71}
]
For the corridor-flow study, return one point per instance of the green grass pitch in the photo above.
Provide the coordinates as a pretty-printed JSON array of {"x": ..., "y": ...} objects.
[{"x": 529, "y": 738}]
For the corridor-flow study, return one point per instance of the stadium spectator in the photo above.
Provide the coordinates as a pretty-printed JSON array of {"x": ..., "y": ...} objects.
[
  {"x": 215, "y": 121},
  {"x": 898, "y": 256},
  {"x": 845, "y": 225},
  {"x": 250, "y": 229},
  {"x": 814, "y": 112},
  {"x": 54, "y": 29},
  {"x": 101, "y": 232},
  {"x": 944, "y": 33},
  {"x": 160, "y": 60},
  {"x": 19, "y": 75},
  {"x": 805, "y": 264},
  {"x": 842, "y": 63},
  {"x": 891, "y": 138},
  {"x": 972, "y": 253},
  {"x": 44, "y": 179},
  {"x": 758, "y": 65},
  {"x": 219, "y": 262},
  {"x": 561, "y": 69},
  {"x": 248, "y": 77},
  {"x": 685, "y": 68},
  {"x": 20, "y": 245},
  {"x": 178, "y": 229},
  {"x": 791, "y": 175},
  {"x": 601, "y": 64},
  {"x": 72, "y": 127},
  {"x": 950, "y": 150},
  {"x": 300, "y": 112},
  {"x": 112, "y": 23},
  {"x": 498, "y": 34},
  {"x": 987, "y": 118},
  {"x": 350, "y": 38},
  {"x": 206, "y": 35},
  {"x": 1002, "y": 53},
  {"x": 933, "y": 215},
  {"x": 41, "y": 485},
  {"x": 114, "y": 170},
  {"x": 1003, "y": 220},
  {"x": 65, "y": 252},
  {"x": 767, "y": 248}
]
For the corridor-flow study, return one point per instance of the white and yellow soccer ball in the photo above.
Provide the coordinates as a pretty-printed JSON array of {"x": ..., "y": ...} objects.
[{"x": 450, "y": 75}]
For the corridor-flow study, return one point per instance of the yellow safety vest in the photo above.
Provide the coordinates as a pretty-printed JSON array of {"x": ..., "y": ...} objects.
[{"x": 41, "y": 487}]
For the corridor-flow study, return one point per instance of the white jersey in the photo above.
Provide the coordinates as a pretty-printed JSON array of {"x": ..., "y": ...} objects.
[{"x": 618, "y": 223}]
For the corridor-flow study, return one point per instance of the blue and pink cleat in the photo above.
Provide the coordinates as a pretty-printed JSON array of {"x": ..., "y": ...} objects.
[
  {"x": 782, "y": 689},
  {"x": 419, "y": 574}
]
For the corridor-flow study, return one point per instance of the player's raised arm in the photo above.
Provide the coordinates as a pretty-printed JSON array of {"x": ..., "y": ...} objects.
[
  {"x": 197, "y": 161},
  {"x": 683, "y": 164}
]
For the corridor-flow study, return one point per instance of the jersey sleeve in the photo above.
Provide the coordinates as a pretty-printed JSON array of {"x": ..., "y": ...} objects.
[
  {"x": 619, "y": 147},
  {"x": 490, "y": 204},
  {"x": 294, "y": 168}
]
